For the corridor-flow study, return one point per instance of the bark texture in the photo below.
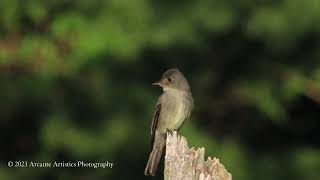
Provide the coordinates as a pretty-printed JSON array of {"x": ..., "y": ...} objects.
[{"x": 184, "y": 163}]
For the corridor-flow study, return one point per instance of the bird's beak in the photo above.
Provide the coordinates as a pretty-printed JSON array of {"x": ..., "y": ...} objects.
[{"x": 157, "y": 84}]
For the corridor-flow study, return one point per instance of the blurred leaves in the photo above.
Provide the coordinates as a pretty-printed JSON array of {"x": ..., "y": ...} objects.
[
  {"x": 75, "y": 82},
  {"x": 84, "y": 143},
  {"x": 9, "y": 15},
  {"x": 274, "y": 22}
]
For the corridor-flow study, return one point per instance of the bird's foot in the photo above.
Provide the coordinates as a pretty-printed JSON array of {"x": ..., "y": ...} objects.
[{"x": 170, "y": 131}]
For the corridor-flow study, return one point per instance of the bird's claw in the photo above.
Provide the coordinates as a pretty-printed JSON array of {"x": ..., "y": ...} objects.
[{"x": 170, "y": 131}]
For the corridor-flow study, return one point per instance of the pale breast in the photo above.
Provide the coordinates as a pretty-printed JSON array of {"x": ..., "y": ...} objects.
[{"x": 174, "y": 110}]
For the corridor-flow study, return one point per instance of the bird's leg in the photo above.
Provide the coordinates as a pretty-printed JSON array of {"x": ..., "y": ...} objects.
[{"x": 170, "y": 131}]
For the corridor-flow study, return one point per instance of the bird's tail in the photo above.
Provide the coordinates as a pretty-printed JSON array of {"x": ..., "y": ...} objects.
[{"x": 154, "y": 158}]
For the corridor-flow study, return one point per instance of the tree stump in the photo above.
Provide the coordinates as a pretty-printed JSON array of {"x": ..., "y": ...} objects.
[{"x": 182, "y": 163}]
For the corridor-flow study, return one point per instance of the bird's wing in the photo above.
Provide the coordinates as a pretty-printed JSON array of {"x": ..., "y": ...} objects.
[{"x": 155, "y": 119}]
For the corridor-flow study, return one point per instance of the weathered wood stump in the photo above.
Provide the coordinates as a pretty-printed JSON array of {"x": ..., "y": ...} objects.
[{"x": 182, "y": 163}]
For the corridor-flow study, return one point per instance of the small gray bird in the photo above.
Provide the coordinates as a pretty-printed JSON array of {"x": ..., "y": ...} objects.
[{"x": 173, "y": 107}]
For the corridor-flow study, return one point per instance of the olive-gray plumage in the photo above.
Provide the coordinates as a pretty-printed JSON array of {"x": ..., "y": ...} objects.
[{"x": 173, "y": 107}]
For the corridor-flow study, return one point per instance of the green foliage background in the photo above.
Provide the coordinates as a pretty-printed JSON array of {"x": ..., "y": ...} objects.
[{"x": 75, "y": 84}]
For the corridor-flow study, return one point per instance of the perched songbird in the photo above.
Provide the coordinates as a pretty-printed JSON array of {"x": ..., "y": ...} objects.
[{"x": 173, "y": 107}]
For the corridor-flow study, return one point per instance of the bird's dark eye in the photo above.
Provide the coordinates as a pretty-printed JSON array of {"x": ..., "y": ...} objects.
[{"x": 170, "y": 79}]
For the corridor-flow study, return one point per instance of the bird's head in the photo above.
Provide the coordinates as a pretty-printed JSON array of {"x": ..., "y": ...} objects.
[{"x": 173, "y": 79}]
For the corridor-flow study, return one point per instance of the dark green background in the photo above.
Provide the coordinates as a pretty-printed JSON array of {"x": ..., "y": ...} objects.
[{"x": 75, "y": 84}]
